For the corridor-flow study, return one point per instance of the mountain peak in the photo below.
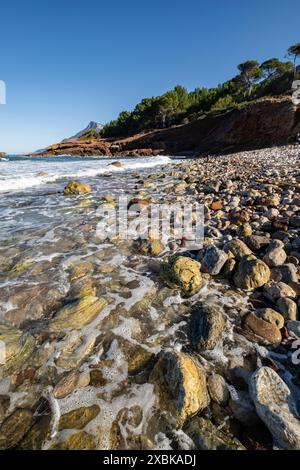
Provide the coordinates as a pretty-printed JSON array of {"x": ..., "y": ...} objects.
[{"x": 91, "y": 125}]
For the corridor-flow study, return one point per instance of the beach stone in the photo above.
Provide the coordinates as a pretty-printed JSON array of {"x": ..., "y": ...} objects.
[
  {"x": 150, "y": 247},
  {"x": 74, "y": 188},
  {"x": 274, "y": 290},
  {"x": 293, "y": 328},
  {"x": 271, "y": 316},
  {"x": 286, "y": 273},
  {"x": 78, "y": 418},
  {"x": 288, "y": 308},
  {"x": 243, "y": 408},
  {"x": 213, "y": 260},
  {"x": 262, "y": 329},
  {"x": 77, "y": 314},
  {"x": 206, "y": 436},
  {"x": 244, "y": 230},
  {"x": 183, "y": 272},
  {"x": 180, "y": 384},
  {"x": 79, "y": 441},
  {"x": 35, "y": 437},
  {"x": 274, "y": 405},
  {"x": 14, "y": 428},
  {"x": 275, "y": 257},
  {"x": 69, "y": 383},
  {"x": 16, "y": 348},
  {"x": 296, "y": 243},
  {"x": 238, "y": 248},
  {"x": 207, "y": 324},
  {"x": 257, "y": 242},
  {"x": 217, "y": 388},
  {"x": 251, "y": 273}
]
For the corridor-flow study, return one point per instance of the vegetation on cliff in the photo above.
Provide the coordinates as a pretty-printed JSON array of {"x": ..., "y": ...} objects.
[{"x": 179, "y": 106}]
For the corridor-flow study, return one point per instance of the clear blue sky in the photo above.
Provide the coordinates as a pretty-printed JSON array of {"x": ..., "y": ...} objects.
[{"x": 71, "y": 61}]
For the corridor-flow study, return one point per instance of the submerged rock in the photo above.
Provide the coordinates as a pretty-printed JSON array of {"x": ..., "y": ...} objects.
[
  {"x": 16, "y": 347},
  {"x": 77, "y": 314},
  {"x": 206, "y": 436},
  {"x": 78, "y": 418},
  {"x": 79, "y": 441},
  {"x": 251, "y": 273},
  {"x": 183, "y": 272},
  {"x": 276, "y": 408},
  {"x": 181, "y": 385},
  {"x": 206, "y": 327},
  {"x": 14, "y": 428}
]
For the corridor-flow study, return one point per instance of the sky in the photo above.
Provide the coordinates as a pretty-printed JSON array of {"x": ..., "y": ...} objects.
[{"x": 68, "y": 62}]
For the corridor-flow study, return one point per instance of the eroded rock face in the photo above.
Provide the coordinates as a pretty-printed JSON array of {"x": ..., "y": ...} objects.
[
  {"x": 275, "y": 407},
  {"x": 78, "y": 313},
  {"x": 206, "y": 436},
  {"x": 183, "y": 272},
  {"x": 251, "y": 273},
  {"x": 206, "y": 327},
  {"x": 16, "y": 347},
  {"x": 74, "y": 188},
  {"x": 180, "y": 384}
]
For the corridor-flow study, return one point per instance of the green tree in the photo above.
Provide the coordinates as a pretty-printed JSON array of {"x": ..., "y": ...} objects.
[
  {"x": 251, "y": 73},
  {"x": 272, "y": 68},
  {"x": 294, "y": 53}
]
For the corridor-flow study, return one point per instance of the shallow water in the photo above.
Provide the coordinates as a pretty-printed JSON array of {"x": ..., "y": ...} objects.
[{"x": 45, "y": 240}]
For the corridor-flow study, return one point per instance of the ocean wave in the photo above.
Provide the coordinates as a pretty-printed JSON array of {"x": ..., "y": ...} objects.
[{"x": 18, "y": 177}]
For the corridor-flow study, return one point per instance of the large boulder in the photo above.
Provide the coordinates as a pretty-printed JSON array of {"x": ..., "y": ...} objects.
[
  {"x": 180, "y": 384},
  {"x": 276, "y": 407},
  {"x": 183, "y": 272},
  {"x": 251, "y": 273}
]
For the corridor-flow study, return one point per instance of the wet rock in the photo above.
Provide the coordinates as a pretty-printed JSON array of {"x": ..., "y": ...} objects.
[
  {"x": 206, "y": 327},
  {"x": 262, "y": 329},
  {"x": 275, "y": 406},
  {"x": 117, "y": 164},
  {"x": 238, "y": 248},
  {"x": 37, "y": 434},
  {"x": 288, "y": 308},
  {"x": 213, "y": 260},
  {"x": 275, "y": 257},
  {"x": 14, "y": 428},
  {"x": 79, "y": 418},
  {"x": 183, "y": 272},
  {"x": 69, "y": 383},
  {"x": 150, "y": 247},
  {"x": 217, "y": 388},
  {"x": 78, "y": 313},
  {"x": 181, "y": 385},
  {"x": 274, "y": 290},
  {"x": 251, "y": 273},
  {"x": 79, "y": 441},
  {"x": 206, "y": 436},
  {"x": 74, "y": 188},
  {"x": 271, "y": 316},
  {"x": 16, "y": 348}
]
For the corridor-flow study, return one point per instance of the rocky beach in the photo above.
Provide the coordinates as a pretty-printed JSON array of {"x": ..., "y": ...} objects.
[{"x": 110, "y": 343}]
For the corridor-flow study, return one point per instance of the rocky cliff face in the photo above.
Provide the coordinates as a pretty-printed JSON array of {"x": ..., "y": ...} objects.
[{"x": 270, "y": 121}]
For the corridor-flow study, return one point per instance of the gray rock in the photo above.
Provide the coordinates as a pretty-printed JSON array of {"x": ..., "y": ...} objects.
[
  {"x": 213, "y": 260},
  {"x": 275, "y": 257},
  {"x": 206, "y": 327},
  {"x": 288, "y": 308},
  {"x": 275, "y": 407},
  {"x": 218, "y": 389},
  {"x": 293, "y": 328},
  {"x": 243, "y": 409},
  {"x": 286, "y": 273},
  {"x": 275, "y": 290}
]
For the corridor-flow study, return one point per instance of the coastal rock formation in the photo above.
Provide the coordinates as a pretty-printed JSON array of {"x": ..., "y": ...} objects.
[{"x": 74, "y": 188}]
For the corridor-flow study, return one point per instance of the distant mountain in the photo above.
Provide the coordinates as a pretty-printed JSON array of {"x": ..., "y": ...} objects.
[{"x": 93, "y": 125}]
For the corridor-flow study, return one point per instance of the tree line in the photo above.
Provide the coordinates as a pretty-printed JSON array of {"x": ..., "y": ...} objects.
[{"x": 178, "y": 106}]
